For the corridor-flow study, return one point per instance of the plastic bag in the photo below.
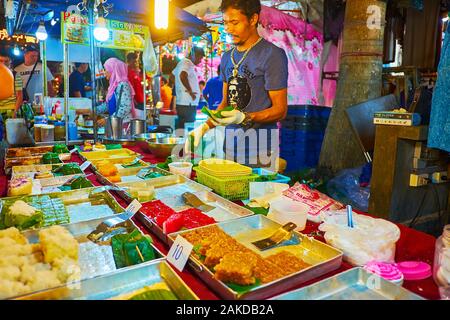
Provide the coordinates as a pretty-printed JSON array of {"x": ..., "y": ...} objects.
[
  {"x": 346, "y": 188},
  {"x": 370, "y": 240},
  {"x": 317, "y": 202}
]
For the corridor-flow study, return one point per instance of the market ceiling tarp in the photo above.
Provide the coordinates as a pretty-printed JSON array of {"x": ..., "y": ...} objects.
[{"x": 182, "y": 24}]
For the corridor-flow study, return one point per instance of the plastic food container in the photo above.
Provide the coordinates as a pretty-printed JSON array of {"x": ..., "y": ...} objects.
[
  {"x": 181, "y": 168},
  {"x": 60, "y": 131},
  {"x": 48, "y": 133},
  {"x": 37, "y": 132},
  {"x": 370, "y": 240},
  {"x": 284, "y": 210}
]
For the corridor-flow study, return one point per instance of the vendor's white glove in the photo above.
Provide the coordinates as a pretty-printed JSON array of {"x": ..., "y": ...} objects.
[
  {"x": 229, "y": 117},
  {"x": 197, "y": 135}
]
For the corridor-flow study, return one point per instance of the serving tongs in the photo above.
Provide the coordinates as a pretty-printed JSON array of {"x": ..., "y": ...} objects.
[
  {"x": 133, "y": 163},
  {"x": 282, "y": 236},
  {"x": 144, "y": 172},
  {"x": 193, "y": 201},
  {"x": 111, "y": 227},
  {"x": 107, "y": 188}
]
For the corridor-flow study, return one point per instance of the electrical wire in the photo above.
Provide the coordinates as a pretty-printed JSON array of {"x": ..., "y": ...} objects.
[
  {"x": 419, "y": 209},
  {"x": 438, "y": 201}
]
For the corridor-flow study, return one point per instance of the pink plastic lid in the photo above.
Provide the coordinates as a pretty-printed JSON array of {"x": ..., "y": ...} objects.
[
  {"x": 414, "y": 270},
  {"x": 387, "y": 271}
]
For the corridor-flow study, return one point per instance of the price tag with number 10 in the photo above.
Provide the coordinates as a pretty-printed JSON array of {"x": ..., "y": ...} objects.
[{"x": 179, "y": 253}]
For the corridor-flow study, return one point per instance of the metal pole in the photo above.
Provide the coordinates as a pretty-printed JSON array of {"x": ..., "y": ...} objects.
[
  {"x": 91, "y": 4},
  {"x": 44, "y": 67},
  {"x": 66, "y": 88},
  {"x": 144, "y": 80}
]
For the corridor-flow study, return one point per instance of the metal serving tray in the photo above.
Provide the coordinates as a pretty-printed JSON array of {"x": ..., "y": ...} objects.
[
  {"x": 118, "y": 283},
  {"x": 9, "y": 163},
  {"x": 80, "y": 206},
  {"x": 94, "y": 259},
  {"x": 354, "y": 284},
  {"x": 225, "y": 211},
  {"x": 114, "y": 156},
  {"x": 27, "y": 151},
  {"x": 169, "y": 188},
  {"x": 31, "y": 170},
  {"x": 322, "y": 258},
  {"x": 130, "y": 174}
]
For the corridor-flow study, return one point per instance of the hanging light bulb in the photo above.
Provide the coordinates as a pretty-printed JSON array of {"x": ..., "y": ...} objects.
[
  {"x": 101, "y": 33},
  {"x": 161, "y": 14},
  {"x": 16, "y": 51},
  {"x": 41, "y": 33}
]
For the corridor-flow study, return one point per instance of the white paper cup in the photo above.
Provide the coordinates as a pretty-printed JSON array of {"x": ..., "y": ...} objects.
[
  {"x": 286, "y": 210},
  {"x": 181, "y": 168}
]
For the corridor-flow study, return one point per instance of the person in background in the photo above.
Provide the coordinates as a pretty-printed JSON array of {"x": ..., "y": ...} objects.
[
  {"x": 136, "y": 80},
  {"x": 120, "y": 96},
  {"x": 166, "y": 93},
  {"x": 202, "y": 101},
  {"x": 77, "y": 85},
  {"x": 32, "y": 76},
  {"x": 10, "y": 106},
  {"x": 213, "y": 92},
  {"x": 187, "y": 87}
]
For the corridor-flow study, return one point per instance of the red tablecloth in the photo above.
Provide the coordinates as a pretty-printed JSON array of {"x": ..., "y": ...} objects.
[{"x": 412, "y": 246}]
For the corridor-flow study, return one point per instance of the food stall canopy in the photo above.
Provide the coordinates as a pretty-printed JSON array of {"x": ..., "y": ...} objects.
[{"x": 181, "y": 26}]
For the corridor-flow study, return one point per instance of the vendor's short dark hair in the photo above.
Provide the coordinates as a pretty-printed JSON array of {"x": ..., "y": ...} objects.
[
  {"x": 198, "y": 52},
  {"x": 131, "y": 56},
  {"x": 79, "y": 64},
  {"x": 31, "y": 48},
  {"x": 247, "y": 7}
]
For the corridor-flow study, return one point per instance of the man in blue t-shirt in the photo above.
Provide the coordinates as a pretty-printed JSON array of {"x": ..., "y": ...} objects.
[
  {"x": 213, "y": 92},
  {"x": 255, "y": 81},
  {"x": 77, "y": 85}
]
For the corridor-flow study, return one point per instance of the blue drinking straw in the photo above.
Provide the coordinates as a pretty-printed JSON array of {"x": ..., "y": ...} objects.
[{"x": 350, "y": 216}]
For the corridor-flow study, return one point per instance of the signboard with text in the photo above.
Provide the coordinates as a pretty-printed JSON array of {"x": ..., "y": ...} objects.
[{"x": 122, "y": 35}]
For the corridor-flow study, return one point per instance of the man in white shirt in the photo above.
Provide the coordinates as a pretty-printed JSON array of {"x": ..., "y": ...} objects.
[
  {"x": 187, "y": 88},
  {"x": 36, "y": 83}
]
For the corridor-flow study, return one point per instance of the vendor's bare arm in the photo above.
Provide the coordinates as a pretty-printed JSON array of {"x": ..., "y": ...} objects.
[
  {"x": 185, "y": 81},
  {"x": 275, "y": 113}
]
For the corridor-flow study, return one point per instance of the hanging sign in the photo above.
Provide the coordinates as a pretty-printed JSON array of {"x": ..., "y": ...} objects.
[
  {"x": 122, "y": 35},
  {"x": 17, "y": 38}
]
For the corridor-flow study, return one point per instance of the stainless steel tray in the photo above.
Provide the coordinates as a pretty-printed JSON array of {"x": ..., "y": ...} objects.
[
  {"x": 322, "y": 258},
  {"x": 80, "y": 206},
  {"x": 169, "y": 188},
  {"x": 120, "y": 282},
  {"x": 27, "y": 151},
  {"x": 225, "y": 211},
  {"x": 94, "y": 259},
  {"x": 9, "y": 163},
  {"x": 31, "y": 170},
  {"x": 130, "y": 174},
  {"x": 354, "y": 284}
]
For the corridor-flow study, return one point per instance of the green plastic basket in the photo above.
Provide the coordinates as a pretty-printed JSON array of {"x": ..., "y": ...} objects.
[{"x": 233, "y": 188}]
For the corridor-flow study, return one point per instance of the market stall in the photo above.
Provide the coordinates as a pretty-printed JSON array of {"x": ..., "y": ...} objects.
[
  {"x": 411, "y": 246},
  {"x": 69, "y": 35}
]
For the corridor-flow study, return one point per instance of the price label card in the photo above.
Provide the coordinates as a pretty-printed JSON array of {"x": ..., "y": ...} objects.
[
  {"x": 179, "y": 253},
  {"x": 134, "y": 206},
  {"x": 85, "y": 165}
]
